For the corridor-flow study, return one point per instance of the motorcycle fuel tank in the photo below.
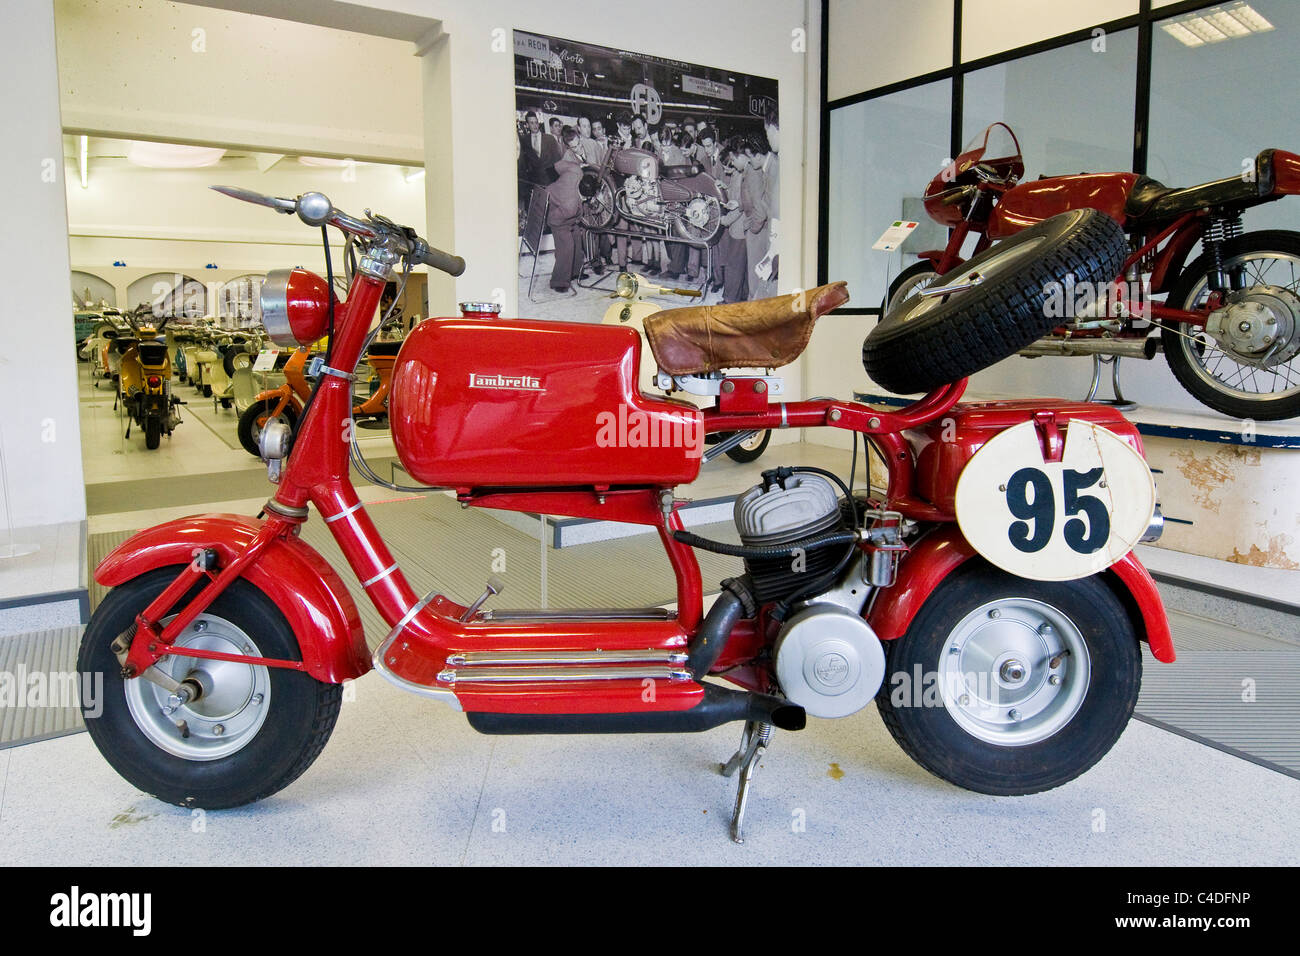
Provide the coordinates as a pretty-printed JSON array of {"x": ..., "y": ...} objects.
[
  {"x": 518, "y": 403},
  {"x": 1032, "y": 202}
]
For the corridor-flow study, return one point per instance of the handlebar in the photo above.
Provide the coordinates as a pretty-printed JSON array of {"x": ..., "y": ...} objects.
[{"x": 315, "y": 209}]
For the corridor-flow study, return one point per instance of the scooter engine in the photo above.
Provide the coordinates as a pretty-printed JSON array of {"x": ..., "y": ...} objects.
[{"x": 828, "y": 659}]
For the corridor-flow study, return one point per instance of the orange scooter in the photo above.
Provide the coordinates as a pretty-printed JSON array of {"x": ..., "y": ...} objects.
[
  {"x": 284, "y": 403},
  {"x": 381, "y": 356}
]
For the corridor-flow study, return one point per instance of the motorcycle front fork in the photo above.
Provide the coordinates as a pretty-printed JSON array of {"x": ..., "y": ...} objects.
[{"x": 754, "y": 740}]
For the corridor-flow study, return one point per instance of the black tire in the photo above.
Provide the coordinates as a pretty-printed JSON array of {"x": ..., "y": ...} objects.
[
  {"x": 206, "y": 390},
  {"x": 745, "y": 455},
  {"x": 930, "y": 734},
  {"x": 226, "y": 402},
  {"x": 250, "y": 424},
  {"x": 710, "y": 232},
  {"x": 1202, "y": 386},
  {"x": 152, "y": 432},
  {"x": 301, "y": 713},
  {"x": 925, "y": 343},
  {"x": 910, "y": 279},
  {"x": 598, "y": 209}
]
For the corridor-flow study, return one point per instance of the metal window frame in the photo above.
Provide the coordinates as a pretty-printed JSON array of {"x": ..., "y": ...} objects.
[{"x": 1144, "y": 21}]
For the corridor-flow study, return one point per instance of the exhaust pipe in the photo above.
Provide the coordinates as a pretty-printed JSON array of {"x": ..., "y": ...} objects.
[
  {"x": 720, "y": 706},
  {"x": 1145, "y": 348}
]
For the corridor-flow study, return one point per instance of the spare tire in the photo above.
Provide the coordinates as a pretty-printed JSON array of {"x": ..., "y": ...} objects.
[{"x": 923, "y": 343}]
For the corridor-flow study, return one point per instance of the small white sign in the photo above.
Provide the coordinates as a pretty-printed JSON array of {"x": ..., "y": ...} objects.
[
  {"x": 894, "y": 235},
  {"x": 265, "y": 360},
  {"x": 1055, "y": 521}
]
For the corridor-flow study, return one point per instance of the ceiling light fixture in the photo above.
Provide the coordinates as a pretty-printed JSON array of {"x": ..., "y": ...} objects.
[
  {"x": 1217, "y": 24},
  {"x": 172, "y": 155}
]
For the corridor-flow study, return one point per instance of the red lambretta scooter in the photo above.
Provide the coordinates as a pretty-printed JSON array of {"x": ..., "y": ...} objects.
[{"x": 996, "y": 619}]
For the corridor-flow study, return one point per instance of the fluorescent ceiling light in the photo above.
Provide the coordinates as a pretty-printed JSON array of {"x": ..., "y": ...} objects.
[
  {"x": 172, "y": 155},
  {"x": 325, "y": 161},
  {"x": 1216, "y": 24}
]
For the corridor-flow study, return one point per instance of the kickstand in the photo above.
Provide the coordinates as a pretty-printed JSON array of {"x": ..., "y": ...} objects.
[
  {"x": 754, "y": 740},
  {"x": 1119, "y": 401}
]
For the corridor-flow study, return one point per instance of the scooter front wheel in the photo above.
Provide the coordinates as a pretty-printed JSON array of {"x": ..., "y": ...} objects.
[
  {"x": 1008, "y": 686},
  {"x": 250, "y": 730}
]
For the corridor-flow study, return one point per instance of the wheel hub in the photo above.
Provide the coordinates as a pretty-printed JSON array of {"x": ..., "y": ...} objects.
[
  {"x": 228, "y": 702},
  {"x": 1258, "y": 326},
  {"x": 996, "y": 677}
]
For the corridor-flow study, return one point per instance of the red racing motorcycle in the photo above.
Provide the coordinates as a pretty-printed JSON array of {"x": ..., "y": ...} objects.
[
  {"x": 989, "y": 601},
  {"x": 1229, "y": 323}
]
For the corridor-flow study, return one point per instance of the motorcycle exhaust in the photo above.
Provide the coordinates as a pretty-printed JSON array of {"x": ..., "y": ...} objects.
[
  {"x": 1145, "y": 348},
  {"x": 719, "y": 706}
]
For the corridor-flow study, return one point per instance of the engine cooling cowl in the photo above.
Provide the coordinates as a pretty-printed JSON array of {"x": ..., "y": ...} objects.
[{"x": 788, "y": 507}]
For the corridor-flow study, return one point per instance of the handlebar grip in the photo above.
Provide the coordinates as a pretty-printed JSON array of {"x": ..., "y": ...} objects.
[
  {"x": 689, "y": 293},
  {"x": 443, "y": 261}
]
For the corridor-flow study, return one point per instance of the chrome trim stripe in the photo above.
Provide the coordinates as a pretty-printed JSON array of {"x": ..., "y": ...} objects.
[
  {"x": 437, "y": 693},
  {"x": 650, "y": 656},
  {"x": 501, "y": 675},
  {"x": 785, "y": 421},
  {"x": 416, "y": 608},
  {"x": 382, "y": 574},
  {"x": 580, "y": 614},
  {"x": 342, "y": 514}
]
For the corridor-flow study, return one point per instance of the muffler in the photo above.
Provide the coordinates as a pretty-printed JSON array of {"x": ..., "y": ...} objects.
[
  {"x": 720, "y": 706},
  {"x": 1144, "y": 348}
]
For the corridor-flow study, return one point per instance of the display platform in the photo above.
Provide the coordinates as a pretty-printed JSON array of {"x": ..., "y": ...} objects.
[
  {"x": 1222, "y": 483},
  {"x": 46, "y": 586}
]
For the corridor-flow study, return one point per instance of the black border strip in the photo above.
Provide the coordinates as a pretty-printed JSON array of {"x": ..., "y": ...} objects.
[
  {"x": 80, "y": 595},
  {"x": 1220, "y": 591},
  {"x": 1215, "y": 745}
]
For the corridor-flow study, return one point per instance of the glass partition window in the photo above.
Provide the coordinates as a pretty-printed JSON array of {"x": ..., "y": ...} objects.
[
  {"x": 1071, "y": 108},
  {"x": 883, "y": 152}
]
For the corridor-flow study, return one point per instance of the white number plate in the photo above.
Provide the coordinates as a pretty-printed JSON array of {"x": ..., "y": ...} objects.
[{"x": 1055, "y": 521}]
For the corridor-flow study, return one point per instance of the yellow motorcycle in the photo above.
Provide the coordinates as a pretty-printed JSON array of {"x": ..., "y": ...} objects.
[{"x": 145, "y": 379}]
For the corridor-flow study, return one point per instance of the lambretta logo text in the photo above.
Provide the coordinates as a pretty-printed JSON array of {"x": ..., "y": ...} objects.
[
  {"x": 76, "y": 909},
  {"x": 526, "y": 382}
]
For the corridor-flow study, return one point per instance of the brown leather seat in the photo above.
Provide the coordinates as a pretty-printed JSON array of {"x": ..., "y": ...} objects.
[{"x": 764, "y": 333}]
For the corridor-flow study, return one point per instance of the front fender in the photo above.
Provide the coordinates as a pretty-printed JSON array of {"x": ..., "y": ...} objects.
[
  {"x": 944, "y": 549},
  {"x": 290, "y": 572}
]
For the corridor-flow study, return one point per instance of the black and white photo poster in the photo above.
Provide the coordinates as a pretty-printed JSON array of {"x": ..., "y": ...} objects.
[{"x": 630, "y": 162}]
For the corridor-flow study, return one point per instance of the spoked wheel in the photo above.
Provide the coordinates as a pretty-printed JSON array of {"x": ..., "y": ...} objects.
[
  {"x": 1025, "y": 684},
  {"x": 1000, "y": 305},
  {"x": 909, "y": 282},
  {"x": 1247, "y": 364},
  {"x": 254, "y": 420},
  {"x": 700, "y": 220},
  {"x": 597, "y": 210},
  {"x": 751, "y": 449},
  {"x": 249, "y": 730}
]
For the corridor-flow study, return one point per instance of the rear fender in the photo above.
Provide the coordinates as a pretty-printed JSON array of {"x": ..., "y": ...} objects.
[
  {"x": 943, "y": 550},
  {"x": 291, "y": 573}
]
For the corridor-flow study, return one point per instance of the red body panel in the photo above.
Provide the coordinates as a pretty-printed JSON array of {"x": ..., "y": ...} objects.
[
  {"x": 528, "y": 403},
  {"x": 943, "y": 550},
  {"x": 943, "y": 447},
  {"x": 302, "y": 584},
  {"x": 1286, "y": 173},
  {"x": 1039, "y": 199}
]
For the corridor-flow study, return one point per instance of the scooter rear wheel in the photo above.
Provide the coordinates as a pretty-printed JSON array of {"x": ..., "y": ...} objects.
[
  {"x": 251, "y": 732},
  {"x": 991, "y": 713}
]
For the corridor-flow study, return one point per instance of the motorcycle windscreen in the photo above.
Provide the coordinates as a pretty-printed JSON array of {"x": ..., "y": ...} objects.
[{"x": 523, "y": 403}]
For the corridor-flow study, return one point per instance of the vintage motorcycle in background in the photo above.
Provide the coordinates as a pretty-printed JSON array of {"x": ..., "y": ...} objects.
[
  {"x": 145, "y": 378},
  {"x": 633, "y": 191},
  {"x": 1229, "y": 323},
  {"x": 998, "y": 564}
]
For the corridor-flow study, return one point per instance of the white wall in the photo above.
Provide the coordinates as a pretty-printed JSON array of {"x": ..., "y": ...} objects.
[
  {"x": 148, "y": 69},
  {"x": 993, "y": 26},
  {"x": 38, "y": 380}
]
